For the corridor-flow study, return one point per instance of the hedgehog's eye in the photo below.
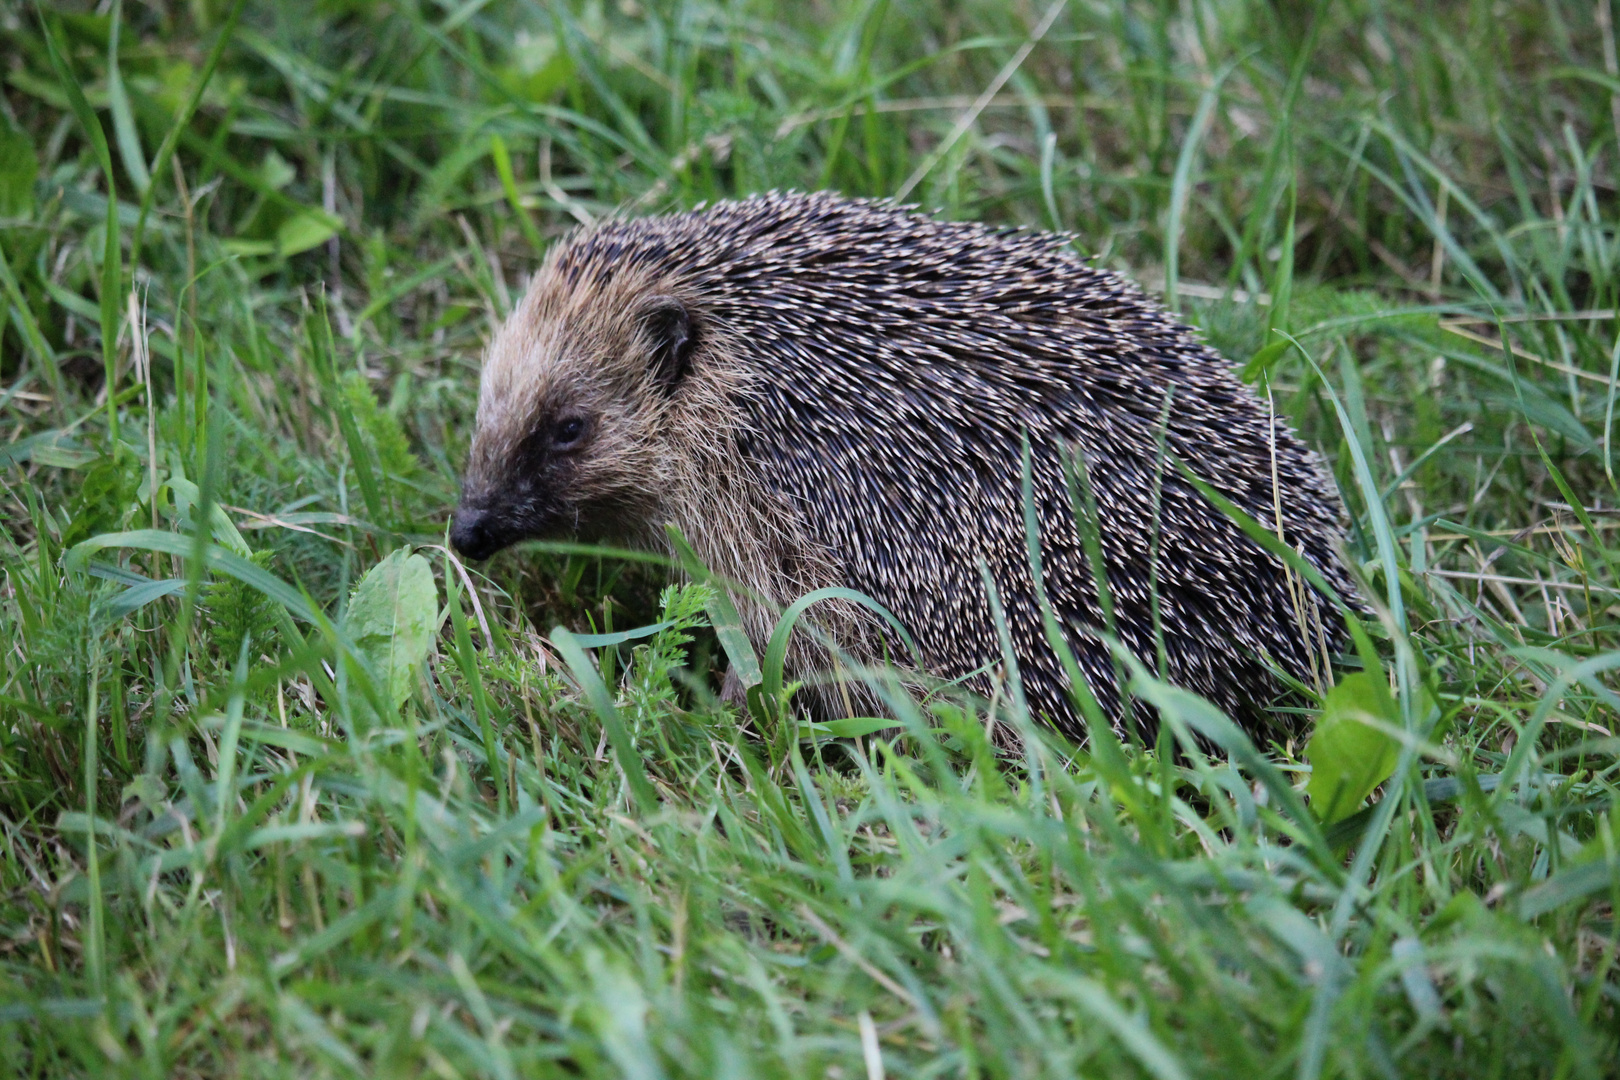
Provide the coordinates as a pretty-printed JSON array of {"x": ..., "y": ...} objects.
[{"x": 568, "y": 432}]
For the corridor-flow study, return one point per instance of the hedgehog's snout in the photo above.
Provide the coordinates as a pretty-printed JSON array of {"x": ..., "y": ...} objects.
[
  {"x": 486, "y": 520},
  {"x": 472, "y": 532}
]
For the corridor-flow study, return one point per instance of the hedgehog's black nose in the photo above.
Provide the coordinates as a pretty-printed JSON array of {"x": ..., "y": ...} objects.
[{"x": 471, "y": 535}]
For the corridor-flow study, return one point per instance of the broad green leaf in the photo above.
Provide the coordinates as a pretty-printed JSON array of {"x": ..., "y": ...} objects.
[
  {"x": 304, "y": 230},
  {"x": 391, "y": 619},
  {"x": 19, "y": 168},
  {"x": 1349, "y": 752}
]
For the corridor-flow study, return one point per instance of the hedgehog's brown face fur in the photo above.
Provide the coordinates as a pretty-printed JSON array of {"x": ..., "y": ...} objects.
[{"x": 580, "y": 391}]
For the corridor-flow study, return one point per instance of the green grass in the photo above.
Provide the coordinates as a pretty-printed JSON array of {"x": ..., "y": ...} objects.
[{"x": 275, "y": 803}]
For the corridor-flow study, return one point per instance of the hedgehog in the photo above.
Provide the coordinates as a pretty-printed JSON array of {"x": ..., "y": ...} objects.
[{"x": 820, "y": 391}]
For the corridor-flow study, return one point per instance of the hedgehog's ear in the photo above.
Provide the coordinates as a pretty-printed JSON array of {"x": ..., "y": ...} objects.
[{"x": 668, "y": 330}]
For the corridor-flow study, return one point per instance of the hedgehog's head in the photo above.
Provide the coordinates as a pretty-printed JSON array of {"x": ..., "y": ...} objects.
[{"x": 580, "y": 393}]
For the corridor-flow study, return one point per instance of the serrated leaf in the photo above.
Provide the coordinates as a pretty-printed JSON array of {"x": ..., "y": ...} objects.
[
  {"x": 1349, "y": 752},
  {"x": 391, "y": 619}
]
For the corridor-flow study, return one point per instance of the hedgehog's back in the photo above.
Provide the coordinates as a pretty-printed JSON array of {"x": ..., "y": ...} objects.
[{"x": 896, "y": 366}]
